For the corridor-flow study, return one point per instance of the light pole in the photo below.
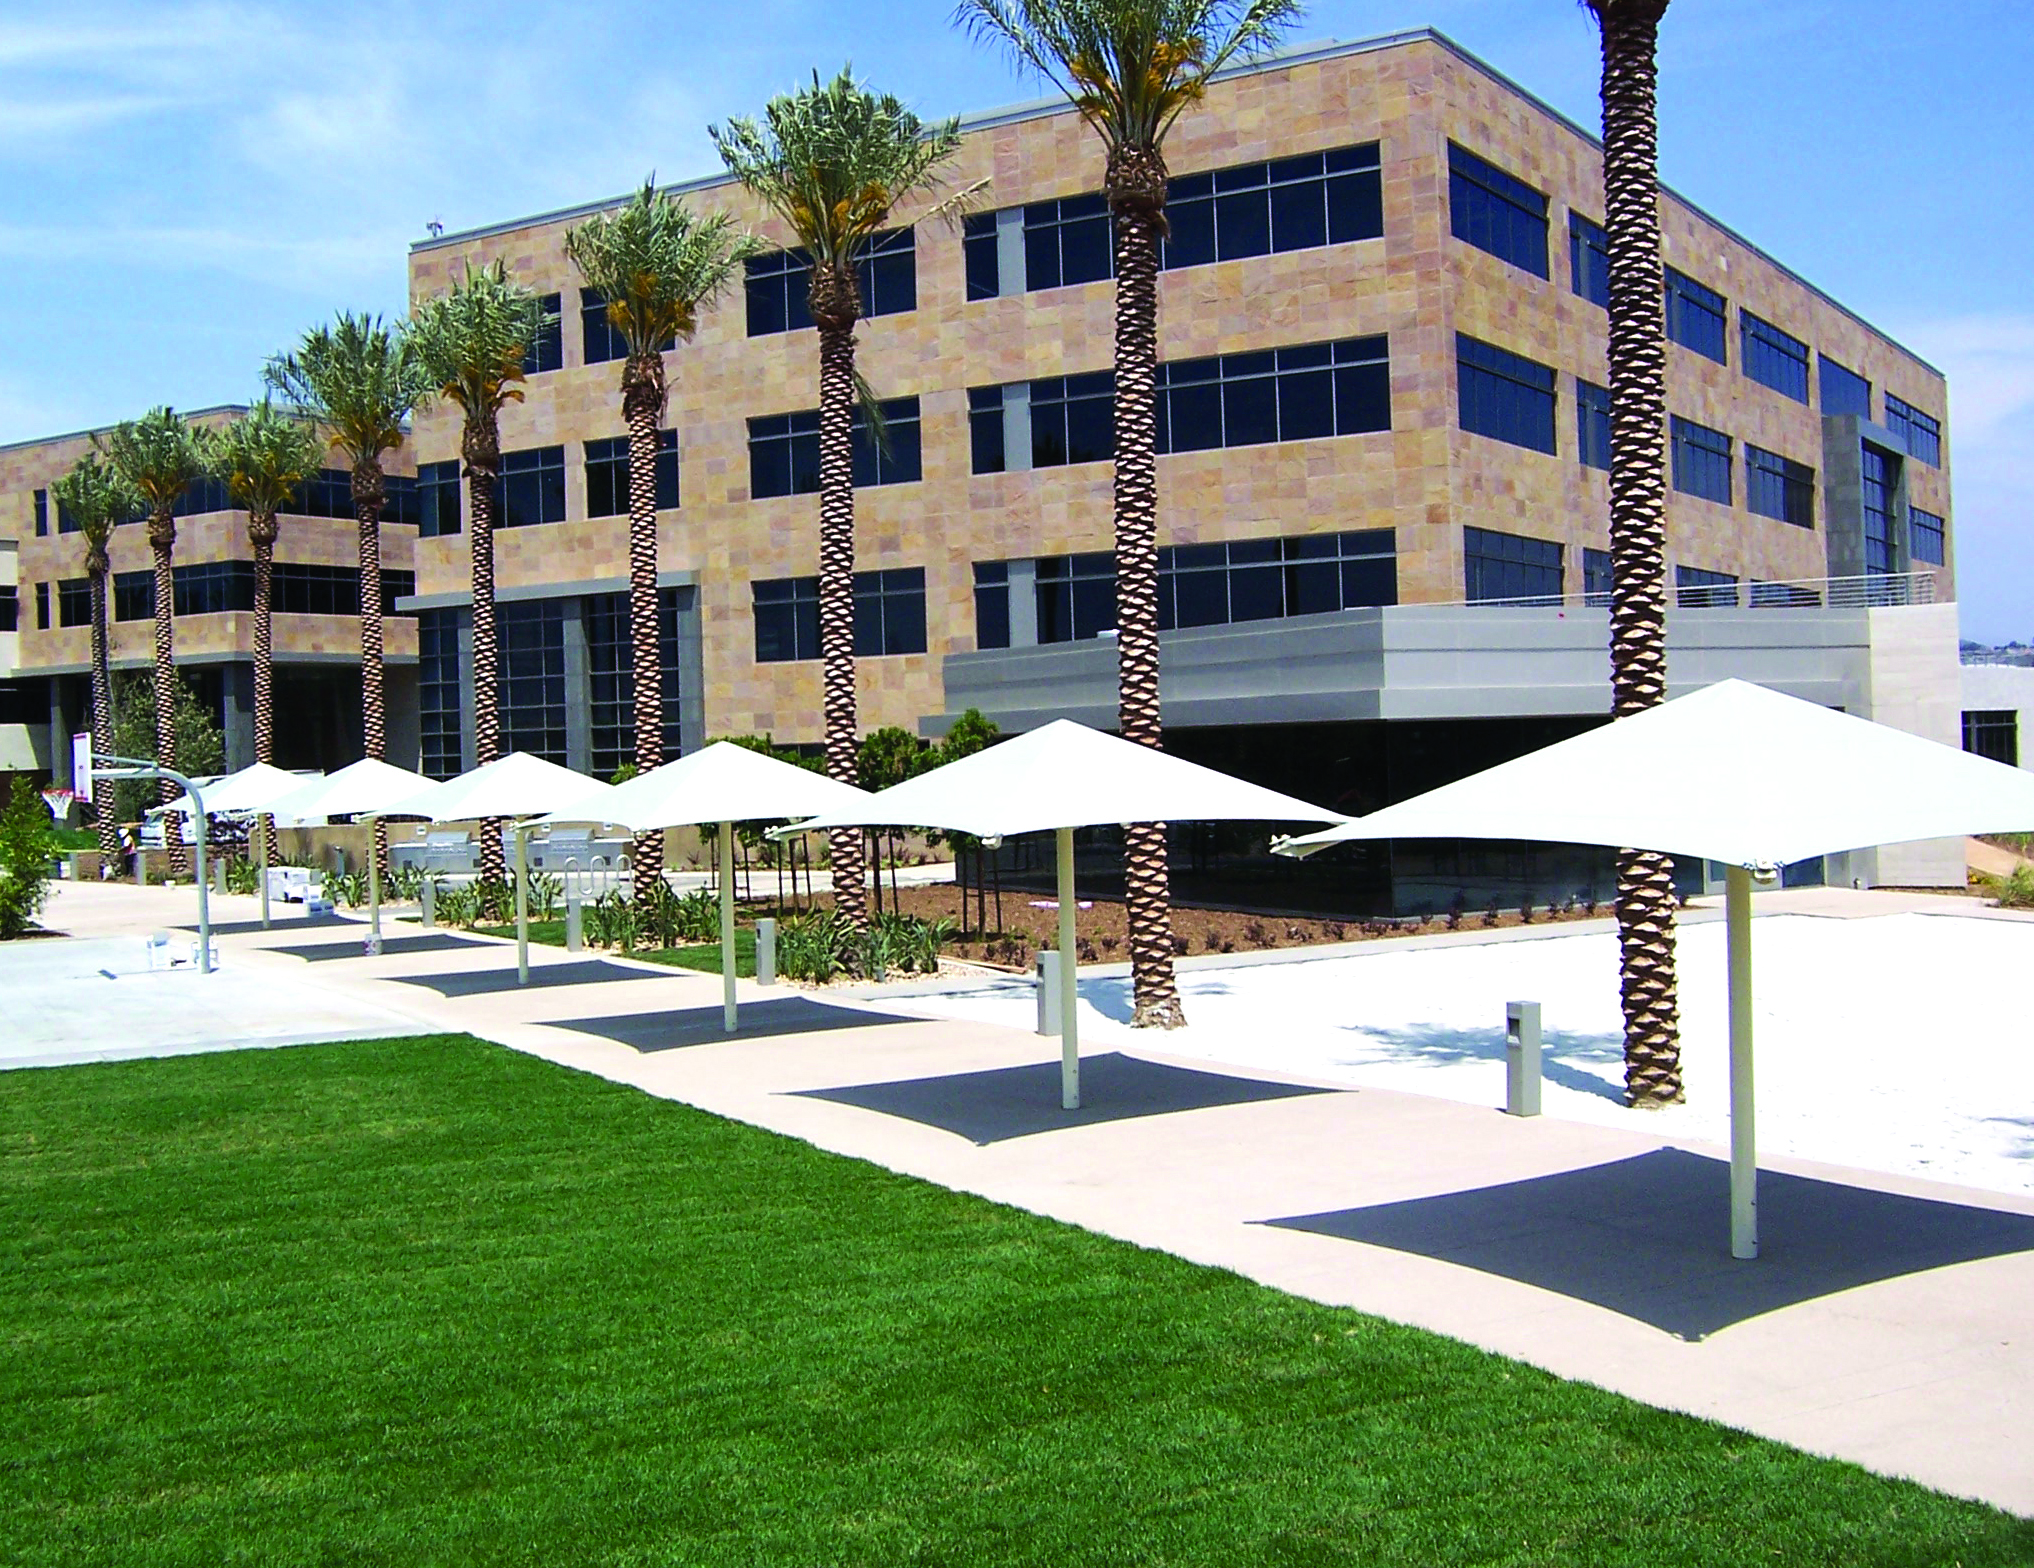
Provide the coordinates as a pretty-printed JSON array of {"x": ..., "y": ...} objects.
[{"x": 143, "y": 768}]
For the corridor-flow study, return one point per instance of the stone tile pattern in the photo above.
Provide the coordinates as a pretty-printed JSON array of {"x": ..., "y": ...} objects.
[
  {"x": 216, "y": 536},
  {"x": 1425, "y": 478}
]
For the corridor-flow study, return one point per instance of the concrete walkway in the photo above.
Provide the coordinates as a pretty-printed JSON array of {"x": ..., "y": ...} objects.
[{"x": 1887, "y": 1323}]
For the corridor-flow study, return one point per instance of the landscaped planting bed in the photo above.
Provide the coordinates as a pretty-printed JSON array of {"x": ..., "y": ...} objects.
[{"x": 427, "y": 1301}]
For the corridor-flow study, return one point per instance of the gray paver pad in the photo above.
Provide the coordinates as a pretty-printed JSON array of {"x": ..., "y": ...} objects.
[{"x": 490, "y": 982}]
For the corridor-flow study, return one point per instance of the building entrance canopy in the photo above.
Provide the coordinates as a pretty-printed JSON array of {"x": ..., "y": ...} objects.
[{"x": 1734, "y": 773}]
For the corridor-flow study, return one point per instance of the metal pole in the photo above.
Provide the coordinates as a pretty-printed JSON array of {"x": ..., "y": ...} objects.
[
  {"x": 1069, "y": 1031},
  {"x": 727, "y": 928},
  {"x": 766, "y": 946},
  {"x": 522, "y": 904},
  {"x": 373, "y": 892},
  {"x": 204, "y": 898},
  {"x": 575, "y": 920},
  {"x": 427, "y": 899},
  {"x": 1744, "y": 1142},
  {"x": 261, "y": 859}
]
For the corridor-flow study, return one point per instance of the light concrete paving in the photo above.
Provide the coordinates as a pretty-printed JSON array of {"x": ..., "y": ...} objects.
[{"x": 1887, "y": 1323}]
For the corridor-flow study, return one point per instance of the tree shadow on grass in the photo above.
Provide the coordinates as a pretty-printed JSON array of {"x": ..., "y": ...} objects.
[{"x": 1648, "y": 1237}]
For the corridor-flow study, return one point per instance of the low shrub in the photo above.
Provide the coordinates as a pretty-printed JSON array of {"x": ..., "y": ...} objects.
[
  {"x": 27, "y": 844},
  {"x": 2017, "y": 890}
]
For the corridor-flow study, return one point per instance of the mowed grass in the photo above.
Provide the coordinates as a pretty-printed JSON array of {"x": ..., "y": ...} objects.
[{"x": 428, "y": 1301}]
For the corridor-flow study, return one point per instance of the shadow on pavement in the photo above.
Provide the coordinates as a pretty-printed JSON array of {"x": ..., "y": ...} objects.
[
  {"x": 283, "y": 924},
  {"x": 1649, "y": 1237},
  {"x": 435, "y": 942},
  {"x": 489, "y": 982},
  {"x": 666, "y": 1031},
  {"x": 1015, "y": 1102}
]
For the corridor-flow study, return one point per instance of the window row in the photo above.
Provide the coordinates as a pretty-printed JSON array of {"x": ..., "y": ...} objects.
[
  {"x": 1516, "y": 570},
  {"x": 784, "y": 449},
  {"x": 889, "y": 615},
  {"x": 227, "y": 587},
  {"x": 329, "y": 493}
]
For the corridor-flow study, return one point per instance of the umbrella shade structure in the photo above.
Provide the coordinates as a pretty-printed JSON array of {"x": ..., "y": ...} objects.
[
  {"x": 519, "y": 786},
  {"x": 1057, "y": 778},
  {"x": 722, "y": 784},
  {"x": 368, "y": 789},
  {"x": 1735, "y": 773},
  {"x": 253, "y": 789}
]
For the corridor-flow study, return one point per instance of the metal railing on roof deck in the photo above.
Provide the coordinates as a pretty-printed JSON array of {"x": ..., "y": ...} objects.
[{"x": 1874, "y": 590}]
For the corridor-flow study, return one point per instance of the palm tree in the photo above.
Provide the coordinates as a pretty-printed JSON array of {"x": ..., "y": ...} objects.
[
  {"x": 97, "y": 499},
  {"x": 657, "y": 266},
  {"x": 261, "y": 459},
  {"x": 1638, "y": 517},
  {"x": 359, "y": 380},
  {"x": 833, "y": 160},
  {"x": 1132, "y": 68},
  {"x": 470, "y": 344},
  {"x": 158, "y": 455}
]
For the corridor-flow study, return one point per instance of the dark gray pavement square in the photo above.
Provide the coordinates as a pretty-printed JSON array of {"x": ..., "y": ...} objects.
[
  {"x": 1649, "y": 1237},
  {"x": 431, "y": 942},
  {"x": 665, "y": 1031},
  {"x": 1015, "y": 1102},
  {"x": 489, "y": 982},
  {"x": 282, "y": 923}
]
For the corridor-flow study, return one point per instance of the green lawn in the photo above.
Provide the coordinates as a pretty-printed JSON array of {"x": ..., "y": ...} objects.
[
  {"x": 431, "y": 1302},
  {"x": 703, "y": 956}
]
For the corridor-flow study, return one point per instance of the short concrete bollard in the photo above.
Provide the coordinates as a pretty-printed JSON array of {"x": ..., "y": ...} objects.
[
  {"x": 428, "y": 897},
  {"x": 766, "y": 951},
  {"x": 1048, "y": 992},
  {"x": 575, "y": 922},
  {"x": 141, "y": 868},
  {"x": 219, "y": 875},
  {"x": 1522, "y": 1058}
]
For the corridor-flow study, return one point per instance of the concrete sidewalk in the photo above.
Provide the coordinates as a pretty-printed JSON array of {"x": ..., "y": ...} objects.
[{"x": 1887, "y": 1323}]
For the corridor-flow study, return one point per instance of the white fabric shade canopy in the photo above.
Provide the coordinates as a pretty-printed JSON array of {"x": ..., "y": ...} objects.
[
  {"x": 363, "y": 788},
  {"x": 255, "y": 788},
  {"x": 1058, "y": 778},
  {"x": 1735, "y": 773},
  {"x": 722, "y": 784}
]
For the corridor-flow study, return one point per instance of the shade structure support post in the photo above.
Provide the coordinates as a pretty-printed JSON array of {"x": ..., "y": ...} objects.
[
  {"x": 373, "y": 893},
  {"x": 1069, "y": 1034},
  {"x": 204, "y": 899},
  {"x": 727, "y": 928},
  {"x": 522, "y": 833},
  {"x": 261, "y": 863},
  {"x": 1744, "y": 1153}
]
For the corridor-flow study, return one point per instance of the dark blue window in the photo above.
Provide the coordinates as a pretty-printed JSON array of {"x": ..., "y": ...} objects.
[
  {"x": 212, "y": 588},
  {"x": 1073, "y": 419},
  {"x": 1597, "y": 575},
  {"x": 439, "y": 717},
  {"x": 1497, "y": 212},
  {"x": 1843, "y": 391},
  {"x": 1262, "y": 209},
  {"x": 1696, "y": 315},
  {"x": 206, "y": 494},
  {"x": 547, "y": 349},
  {"x": 1778, "y": 487},
  {"x": 1927, "y": 536},
  {"x": 533, "y": 701},
  {"x": 1697, "y": 589},
  {"x": 530, "y": 488},
  {"x": 611, "y": 679},
  {"x": 1287, "y": 394},
  {"x": 1504, "y": 395},
  {"x": 1879, "y": 479},
  {"x": 327, "y": 493},
  {"x": 438, "y": 496},
  {"x": 1783, "y": 596},
  {"x": 1773, "y": 358},
  {"x": 1701, "y": 460},
  {"x": 992, "y": 604},
  {"x": 607, "y": 476},
  {"x": 1076, "y": 596},
  {"x": 133, "y": 596},
  {"x": 889, "y": 615},
  {"x": 42, "y": 514},
  {"x": 1508, "y": 568},
  {"x": 784, "y": 450},
  {"x": 600, "y": 340},
  {"x": 778, "y": 286},
  {"x": 1920, "y": 433},
  {"x": 1270, "y": 579},
  {"x": 10, "y": 612},
  {"x": 1588, "y": 259},
  {"x": 1067, "y": 242},
  {"x": 978, "y": 250},
  {"x": 1592, "y": 424},
  {"x": 303, "y": 588},
  {"x": 74, "y": 602}
]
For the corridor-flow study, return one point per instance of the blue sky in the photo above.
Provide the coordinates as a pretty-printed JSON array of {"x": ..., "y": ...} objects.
[{"x": 187, "y": 187}]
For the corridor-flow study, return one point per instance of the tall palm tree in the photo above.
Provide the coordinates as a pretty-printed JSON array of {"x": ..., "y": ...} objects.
[
  {"x": 359, "y": 380},
  {"x": 1132, "y": 68},
  {"x": 657, "y": 265},
  {"x": 1638, "y": 516},
  {"x": 470, "y": 343},
  {"x": 158, "y": 455},
  {"x": 97, "y": 499},
  {"x": 261, "y": 459},
  {"x": 834, "y": 160}
]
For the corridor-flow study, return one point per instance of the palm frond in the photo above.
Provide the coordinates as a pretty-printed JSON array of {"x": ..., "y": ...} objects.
[
  {"x": 835, "y": 160},
  {"x": 1131, "y": 67},
  {"x": 158, "y": 455},
  {"x": 97, "y": 498},
  {"x": 359, "y": 378},
  {"x": 264, "y": 456},
  {"x": 658, "y": 265},
  {"x": 470, "y": 342}
]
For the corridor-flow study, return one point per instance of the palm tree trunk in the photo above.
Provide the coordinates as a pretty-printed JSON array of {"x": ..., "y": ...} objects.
[
  {"x": 837, "y": 599},
  {"x": 162, "y": 539},
  {"x": 483, "y": 461},
  {"x": 642, "y": 405},
  {"x": 1638, "y": 507},
  {"x": 264, "y": 663},
  {"x": 1136, "y": 185},
  {"x": 102, "y": 722},
  {"x": 368, "y": 494}
]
